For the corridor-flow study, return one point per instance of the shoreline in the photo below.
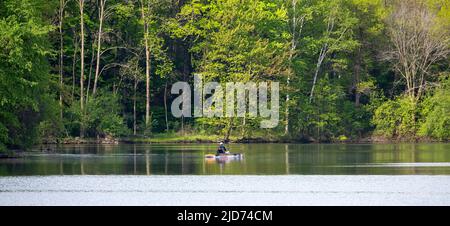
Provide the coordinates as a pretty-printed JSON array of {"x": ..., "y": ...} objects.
[
  {"x": 17, "y": 153},
  {"x": 195, "y": 139}
]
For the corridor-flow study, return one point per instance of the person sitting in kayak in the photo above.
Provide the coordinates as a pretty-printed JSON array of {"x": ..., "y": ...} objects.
[{"x": 222, "y": 149}]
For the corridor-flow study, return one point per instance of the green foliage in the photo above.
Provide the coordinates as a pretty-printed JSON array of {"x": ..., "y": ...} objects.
[
  {"x": 52, "y": 125},
  {"x": 355, "y": 120},
  {"x": 236, "y": 41},
  {"x": 224, "y": 40},
  {"x": 3, "y": 137},
  {"x": 103, "y": 116},
  {"x": 404, "y": 117},
  {"x": 435, "y": 112},
  {"x": 325, "y": 117},
  {"x": 24, "y": 70},
  {"x": 396, "y": 118}
]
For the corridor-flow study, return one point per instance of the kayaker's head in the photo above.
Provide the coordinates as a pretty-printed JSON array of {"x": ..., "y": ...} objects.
[{"x": 221, "y": 143}]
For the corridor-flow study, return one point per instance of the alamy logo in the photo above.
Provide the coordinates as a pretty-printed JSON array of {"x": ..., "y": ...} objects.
[{"x": 213, "y": 106}]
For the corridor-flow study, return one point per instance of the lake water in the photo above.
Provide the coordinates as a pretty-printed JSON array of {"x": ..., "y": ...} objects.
[
  {"x": 269, "y": 174},
  {"x": 259, "y": 159}
]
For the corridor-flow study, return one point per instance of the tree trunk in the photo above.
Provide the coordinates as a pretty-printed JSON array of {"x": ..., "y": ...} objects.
[
  {"x": 297, "y": 23},
  {"x": 182, "y": 125},
  {"x": 185, "y": 75},
  {"x": 357, "y": 77},
  {"x": 228, "y": 134},
  {"x": 134, "y": 106},
  {"x": 90, "y": 74},
  {"x": 99, "y": 43},
  {"x": 291, "y": 54},
  {"x": 244, "y": 122},
  {"x": 74, "y": 62},
  {"x": 165, "y": 108},
  {"x": 61, "y": 56},
  {"x": 81, "y": 3},
  {"x": 147, "y": 66},
  {"x": 322, "y": 55},
  {"x": 286, "y": 113}
]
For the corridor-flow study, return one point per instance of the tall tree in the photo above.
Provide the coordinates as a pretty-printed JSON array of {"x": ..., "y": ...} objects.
[
  {"x": 296, "y": 22},
  {"x": 133, "y": 71},
  {"x": 417, "y": 44},
  {"x": 81, "y": 6},
  {"x": 101, "y": 17},
  {"x": 338, "y": 22},
  {"x": 25, "y": 92},
  {"x": 235, "y": 41},
  {"x": 62, "y": 6},
  {"x": 145, "y": 8}
]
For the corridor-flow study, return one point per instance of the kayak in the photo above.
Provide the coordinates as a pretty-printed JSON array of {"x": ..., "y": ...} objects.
[{"x": 230, "y": 155}]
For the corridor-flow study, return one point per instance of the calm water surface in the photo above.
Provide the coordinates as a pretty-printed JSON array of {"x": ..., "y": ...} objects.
[{"x": 259, "y": 159}]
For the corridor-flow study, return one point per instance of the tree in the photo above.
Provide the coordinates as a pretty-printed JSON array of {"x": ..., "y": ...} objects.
[
  {"x": 145, "y": 11},
  {"x": 296, "y": 22},
  {"x": 324, "y": 53},
  {"x": 434, "y": 112},
  {"x": 101, "y": 17},
  {"x": 369, "y": 36},
  {"x": 132, "y": 70},
  {"x": 417, "y": 43},
  {"x": 24, "y": 71},
  {"x": 338, "y": 22},
  {"x": 62, "y": 6},
  {"x": 235, "y": 41},
  {"x": 81, "y": 6}
]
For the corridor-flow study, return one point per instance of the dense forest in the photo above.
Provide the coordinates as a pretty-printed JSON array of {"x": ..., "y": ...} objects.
[{"x": 348, "y": 69}]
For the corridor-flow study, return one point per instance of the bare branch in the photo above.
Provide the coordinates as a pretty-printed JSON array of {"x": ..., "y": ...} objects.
[{"x": 416, "y": 44}]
